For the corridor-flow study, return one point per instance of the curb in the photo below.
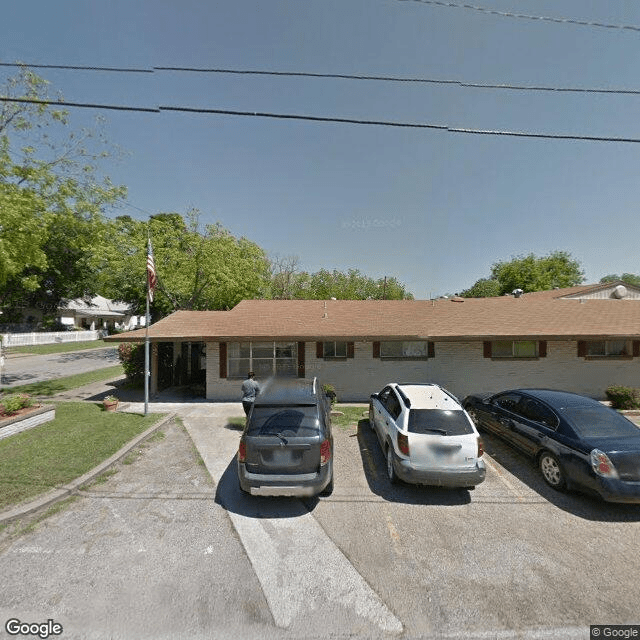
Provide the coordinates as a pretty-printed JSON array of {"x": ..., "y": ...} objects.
[{"x": 70, "y": 488}]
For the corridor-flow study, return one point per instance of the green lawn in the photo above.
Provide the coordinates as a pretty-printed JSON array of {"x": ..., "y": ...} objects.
[
  {"x": 352, "y": 415},
  {"x": 62, "y": 347},
  {"x": 50, "y": 455},
  {"x": 58, "y": 385}
]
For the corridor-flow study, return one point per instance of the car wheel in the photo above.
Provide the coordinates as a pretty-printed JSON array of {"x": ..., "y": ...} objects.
[
  {"x": 551, "y": 470},
  {"x": 391, "y": 472},
  {"x": 328, "y": 490}
]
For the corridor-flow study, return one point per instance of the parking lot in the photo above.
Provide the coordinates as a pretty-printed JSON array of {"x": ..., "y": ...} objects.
[{"x": 159, "y": 550}]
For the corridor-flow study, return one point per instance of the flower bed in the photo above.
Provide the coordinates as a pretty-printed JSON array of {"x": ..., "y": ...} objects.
[{"x": 26, "y": 418}]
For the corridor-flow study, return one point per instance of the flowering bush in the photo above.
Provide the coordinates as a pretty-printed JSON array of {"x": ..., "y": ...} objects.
[
  {"x": 12, "y": 404},
  {"x": 131, "y": 355}
]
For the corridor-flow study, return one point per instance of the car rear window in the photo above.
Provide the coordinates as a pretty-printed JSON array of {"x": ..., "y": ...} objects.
[
  {"x": 452, "y": 423},
  {"x": 301, "y": 420},
  {"x": 599, "y": 422}
]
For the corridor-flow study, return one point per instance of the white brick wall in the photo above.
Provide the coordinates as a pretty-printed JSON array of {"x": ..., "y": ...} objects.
[
  {"x": 27, "y": 423},
  {"x": 460, "y": 367}
]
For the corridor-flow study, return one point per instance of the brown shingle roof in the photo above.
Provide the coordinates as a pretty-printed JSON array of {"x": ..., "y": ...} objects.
[{"x": 479, "y": 318}]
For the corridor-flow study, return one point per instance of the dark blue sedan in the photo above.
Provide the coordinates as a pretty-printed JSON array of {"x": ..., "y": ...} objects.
[{"x": 577, "y": 442}]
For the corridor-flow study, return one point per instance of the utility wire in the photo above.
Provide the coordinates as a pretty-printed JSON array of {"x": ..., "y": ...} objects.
[
  {"x": 459, "y": 83},
  {"x": 76, "y": 67},
  {"x": 326, "y": 119},
  {"x": 339, "y": 76},
  {"x": 509, "y": 14}
]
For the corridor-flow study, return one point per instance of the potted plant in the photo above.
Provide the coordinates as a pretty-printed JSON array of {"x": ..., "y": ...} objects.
[{"x": 110, "y": 403}]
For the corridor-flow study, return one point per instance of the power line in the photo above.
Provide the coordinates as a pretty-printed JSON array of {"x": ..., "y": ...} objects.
[
  {"x": 76, "y": 67},
  {"x": 509, "y": 14},
  {"x": 338, "y": 76},
  {"x": 459, "y": 83},
  {"x": 327, "y": 119},
  {"x": 83, "y": 105}
]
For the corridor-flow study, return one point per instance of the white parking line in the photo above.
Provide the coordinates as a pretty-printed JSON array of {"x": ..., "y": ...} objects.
[
  {"x": 298, "y": 566},
  {"x": 493, "y": 465}
]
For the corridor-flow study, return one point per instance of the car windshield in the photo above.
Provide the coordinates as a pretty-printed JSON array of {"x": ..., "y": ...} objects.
[
  {"x": 445, "y": 422},
  {"x": 599, "y": 422},
  {"x": 265, "y": 421}
]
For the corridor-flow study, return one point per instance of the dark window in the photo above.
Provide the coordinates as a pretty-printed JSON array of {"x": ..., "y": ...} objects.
[
  {"x": 452, "y": 423},
  {"x": 593, "y": 421},
  {"x": 536, "y": 411},
  {"x": 405, "y": 349},
  {"x": 611, "y": 348},
  {"x": 393, "y": 405},
  {"x": 334, "y": 349},
  {"x": 267, "y": 420},
  {"x": 514, "y": 349},
  {"x": 508, "y": 401}
]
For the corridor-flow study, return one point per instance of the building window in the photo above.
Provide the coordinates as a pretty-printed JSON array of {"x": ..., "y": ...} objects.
[
  {"x": 334, "y": 349},
  {"x": 404, "y": 349},
  {"x": 608, "y": 348},
  {"x": 515, "y": 349},
  {"x": 264, "y": 358}
]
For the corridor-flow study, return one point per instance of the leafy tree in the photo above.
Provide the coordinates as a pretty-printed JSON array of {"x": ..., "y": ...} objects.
[
  {"x": 532, "y": 273},
  {"x": 288, "y": 283},
  {"x": 209, "y": 269},
  {"x": 51, "y": 199},
  {"x": 483, "y": 288},
  {"x": 628, "y": 278}
]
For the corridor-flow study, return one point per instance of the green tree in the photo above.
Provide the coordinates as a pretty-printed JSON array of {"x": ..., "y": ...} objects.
[
  {"x": 288, "y": 283},
  {"x": 197, "y": 269},
  {"x": 51, "y": 199},
  {"x": 530, "y": 273},
  {"x": 628, "y": 278},
  {"x": 483, "y": 288}
]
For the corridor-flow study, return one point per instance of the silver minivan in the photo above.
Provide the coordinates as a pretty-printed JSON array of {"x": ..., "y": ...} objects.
[{"x": 286, "y": 448}]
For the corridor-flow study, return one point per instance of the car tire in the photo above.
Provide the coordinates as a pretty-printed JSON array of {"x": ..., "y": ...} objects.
[
  {"x": 551, "y": 471},
  {"x": 391, "y": 472},
  {"x": 371, "y": 419},
  {"x": 328, "y": 490}
]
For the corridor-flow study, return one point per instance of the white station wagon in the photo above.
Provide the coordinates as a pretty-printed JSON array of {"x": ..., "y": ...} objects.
[{"x": 426, "y": 436}]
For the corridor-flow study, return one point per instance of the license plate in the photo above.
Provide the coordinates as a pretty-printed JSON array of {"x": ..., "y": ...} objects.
[{"x": 281, "y": 457}]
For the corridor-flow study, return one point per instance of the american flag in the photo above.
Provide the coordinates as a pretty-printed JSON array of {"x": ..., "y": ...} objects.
[{"x": 152, "y": 279}]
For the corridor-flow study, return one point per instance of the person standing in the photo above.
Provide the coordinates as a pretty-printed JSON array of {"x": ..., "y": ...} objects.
[{"x": 250, "y": 389}]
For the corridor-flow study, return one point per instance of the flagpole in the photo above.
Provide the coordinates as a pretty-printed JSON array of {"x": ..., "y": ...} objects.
[
  {"x": 147, "y": 373},
  {"x": 151, "y": 283}
]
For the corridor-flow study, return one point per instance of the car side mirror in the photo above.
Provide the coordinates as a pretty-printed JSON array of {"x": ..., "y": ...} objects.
[{"x": 374, "y": 396}]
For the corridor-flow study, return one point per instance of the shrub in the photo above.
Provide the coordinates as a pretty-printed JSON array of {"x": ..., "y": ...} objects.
[
  {"x": 12, "y": 404},
  {"x": 623, "y": 397},
  {"x": 131, "y": 356},
  {"x": 330, "y": 391}
]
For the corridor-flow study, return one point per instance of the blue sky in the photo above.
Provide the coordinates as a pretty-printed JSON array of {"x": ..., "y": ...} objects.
[{"x": 434, "y": 209}]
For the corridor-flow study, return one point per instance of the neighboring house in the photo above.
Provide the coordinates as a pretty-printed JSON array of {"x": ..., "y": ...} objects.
[
  {"x": 98, "y": 313},
  {"x": 580, "y": 339}
]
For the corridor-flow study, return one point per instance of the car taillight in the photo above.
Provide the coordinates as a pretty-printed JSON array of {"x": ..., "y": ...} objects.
[
  {"x": 325, "y": 452},
  {"x": 403, "y": 444},
  {"x": 480, "y": 447},
  {"x": 242, "y": 451},
  {"x": 602, "y": 465}
]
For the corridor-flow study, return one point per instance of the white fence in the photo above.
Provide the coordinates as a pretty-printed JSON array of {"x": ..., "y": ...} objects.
[{"x": 29, "y": 339}]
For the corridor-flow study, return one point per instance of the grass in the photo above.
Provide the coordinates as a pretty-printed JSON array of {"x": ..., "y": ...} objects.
[
  {"x": 59, "y": 385},
  {"x": 351, "y": 417},
  {"x": 81, "y": 436},
  {"x": 62, "y": 347}
]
